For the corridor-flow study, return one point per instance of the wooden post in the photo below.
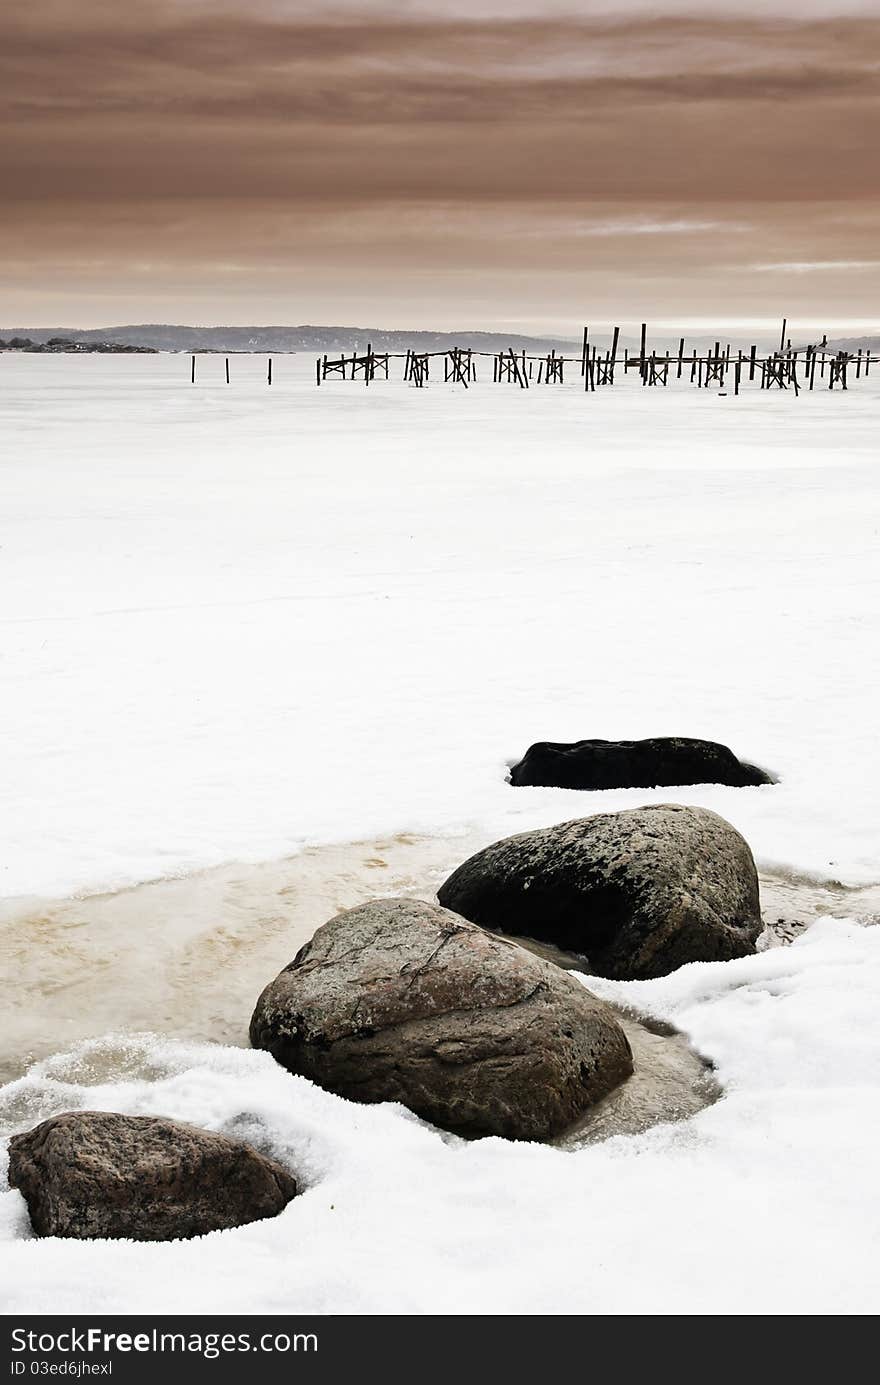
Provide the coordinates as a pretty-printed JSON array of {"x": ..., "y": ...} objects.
[
  {"x": 227, "y": 370},
  {"x": 753, "y": 351},
  {"x": 614, "y": 352},
  {"x": 642, "y": 346},
  {"x": 680, "y": 357},
  {"x": 584, "y": 350},
  {"x": 317, "y": 370},
  {"x": 269, "y": 377},
  {"x": 192, "y": 377},
  {"x": 782, "y": 336}
]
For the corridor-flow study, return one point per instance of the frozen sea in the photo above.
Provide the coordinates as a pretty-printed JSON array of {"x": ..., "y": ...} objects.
[
  {"x": 239, "y": 620},
  {"x": 244, "y": 622}
]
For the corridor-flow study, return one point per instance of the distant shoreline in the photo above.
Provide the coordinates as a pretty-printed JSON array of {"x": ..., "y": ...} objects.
[
  {"x": 335, "y": 340},
  {"x": 59, "y": 346}
]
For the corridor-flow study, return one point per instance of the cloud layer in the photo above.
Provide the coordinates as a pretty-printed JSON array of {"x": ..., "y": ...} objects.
[{"x": 402, "y": 160}]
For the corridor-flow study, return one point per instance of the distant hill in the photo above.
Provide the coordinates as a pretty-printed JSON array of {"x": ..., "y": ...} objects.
[
  {"x": 317, "y": 339},
  {"x": 854, "y": 344}
]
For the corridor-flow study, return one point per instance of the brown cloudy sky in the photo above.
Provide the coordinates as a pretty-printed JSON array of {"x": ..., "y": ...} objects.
[{"x": 447, "y": 164}]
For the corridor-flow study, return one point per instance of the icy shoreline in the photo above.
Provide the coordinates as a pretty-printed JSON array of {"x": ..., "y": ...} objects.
[{"x": 188, "y": 956}]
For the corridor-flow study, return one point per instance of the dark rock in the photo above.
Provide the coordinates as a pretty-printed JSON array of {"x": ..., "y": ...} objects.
[
  {"x": 662, "y": 762},
  {"x": 399, "y": 1000},
  {"x": 90, "y": 1174},
  {"x": 639, "y": 892}
]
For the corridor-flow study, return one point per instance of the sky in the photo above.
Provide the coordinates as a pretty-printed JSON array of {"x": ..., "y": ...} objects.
[{"x": 467, "y": 163}]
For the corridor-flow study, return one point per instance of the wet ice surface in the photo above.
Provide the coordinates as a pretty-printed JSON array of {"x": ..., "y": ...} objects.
[
  {"x": 670, "y": 1082},
  {"x": 187, "y": 958}
]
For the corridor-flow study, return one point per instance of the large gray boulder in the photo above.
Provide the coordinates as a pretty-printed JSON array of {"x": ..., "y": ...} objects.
[
  {"x": 89, "y": 1174},
  {"x": 399, "y": 1000},
  {"x": 639, "y": 892}
]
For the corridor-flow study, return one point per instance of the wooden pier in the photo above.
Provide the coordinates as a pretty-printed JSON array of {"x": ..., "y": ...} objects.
[
  {"x": 785, "y": 368},
  {"x": 730, "y": 370}
]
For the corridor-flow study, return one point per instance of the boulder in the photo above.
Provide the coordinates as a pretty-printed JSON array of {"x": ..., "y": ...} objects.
[
  {"x": 90, "y": 1174},
  {"x": 661, "y": 762},
  {"x": 399, "y": 1000},
  {"x": 639, "y": 892}
]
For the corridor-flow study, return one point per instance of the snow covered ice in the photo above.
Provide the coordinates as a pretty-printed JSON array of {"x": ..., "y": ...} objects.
[{"x": 239, "y": 621}]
